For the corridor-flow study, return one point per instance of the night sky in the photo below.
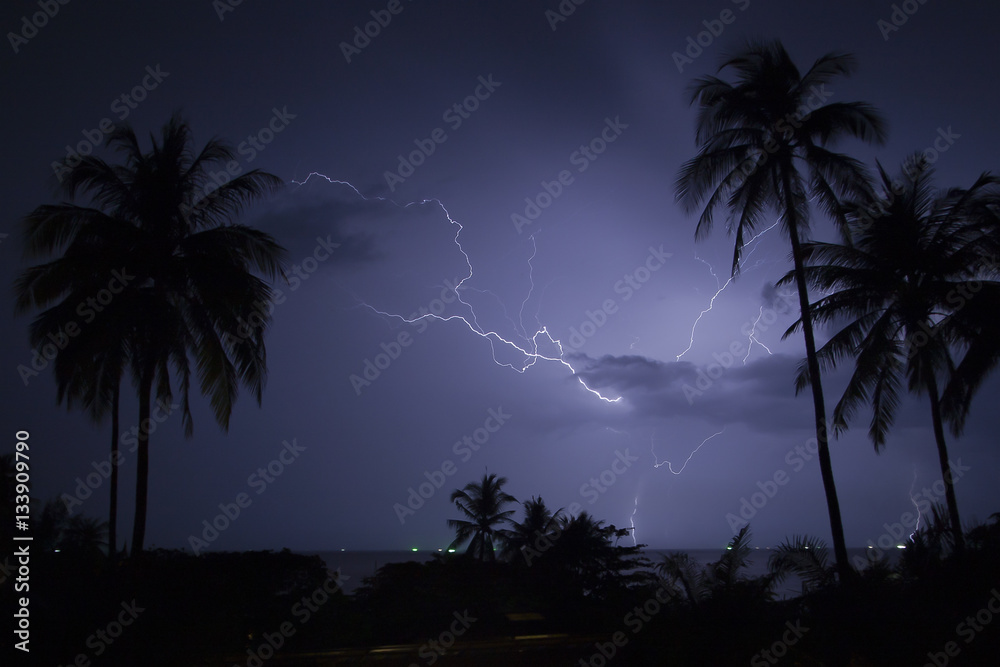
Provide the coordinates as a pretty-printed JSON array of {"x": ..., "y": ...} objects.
[{"x": 529, "y": 157}]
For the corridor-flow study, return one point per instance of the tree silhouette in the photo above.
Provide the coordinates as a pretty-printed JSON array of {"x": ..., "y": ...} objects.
[
  {"x": 911, "y": 262},
  {"x": 536, "y": 532},
  {"x": 762, "y": 146},
  {"x": 482, "y": 504},
  {"x": 185, "y": 274}
]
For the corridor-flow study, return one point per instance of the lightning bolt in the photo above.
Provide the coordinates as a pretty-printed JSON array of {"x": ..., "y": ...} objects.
[
  {"x": 529, "y": 348},
  {"x": 913, "y": 500},
  {"x": 755, "y": 241},
  {"x": 657, "y": 463},
  {"x": 753, "y": 338},
  {"x": 632, "y": 520}
]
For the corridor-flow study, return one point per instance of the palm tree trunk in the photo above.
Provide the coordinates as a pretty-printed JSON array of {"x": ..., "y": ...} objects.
[
  {"x": 942, "y": 447},
  {"x": 822, "y": 440},
  {"x": 113, "y": 510},
  {"x": 142, "y": 463}
]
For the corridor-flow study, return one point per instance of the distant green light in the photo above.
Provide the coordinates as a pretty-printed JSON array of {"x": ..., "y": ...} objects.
[
  {"x": 413, "y": 549},
  {"x": 451, "y": 551},
  {"x": 729, "y": 548}
]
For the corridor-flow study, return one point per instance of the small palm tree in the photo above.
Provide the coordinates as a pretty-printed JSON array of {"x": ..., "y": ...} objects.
[
  {"x": 903, "y": 281},
  {"x": 805, "y": 557},
  {"x": 189, "y": 273},
  {"x": 535, "y": 533},
  {"x": 482, "y": 504},
  {"x": 724, "y": 579},
  {"x": 684, "y": 576},
  {"x": 763, "y": 147}
]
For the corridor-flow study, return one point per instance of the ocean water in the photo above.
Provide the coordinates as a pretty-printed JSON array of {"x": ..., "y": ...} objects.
[{"x": 360, "y": 564}]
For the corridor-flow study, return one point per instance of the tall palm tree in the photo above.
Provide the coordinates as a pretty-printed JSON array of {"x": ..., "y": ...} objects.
[
  {"x": 482, "y": 504},
  {"x": 980, "y": 321},
  {"x": 905, "y": 278},
  {"x": 92, "y": 357},
  {"x": 189, "y": 271},
  {"x": 534, "y": 534},
  {"x": 90, "y": 372},
  {"x": 763, "y": 146}
]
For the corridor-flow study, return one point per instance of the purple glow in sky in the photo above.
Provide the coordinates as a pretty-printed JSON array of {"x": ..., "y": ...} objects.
[{"x": 494, "y": 255}]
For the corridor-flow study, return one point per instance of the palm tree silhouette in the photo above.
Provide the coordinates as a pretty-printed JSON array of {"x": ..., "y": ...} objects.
[
  {"x": 89, "y": 366},
  {"x": 762, "y": 146},
  {"x": 189, "y": 274},
  {"x": 538, "y": 528},
  {"x": 482, "y": 504},
  {"x": 911, "y": 255}
]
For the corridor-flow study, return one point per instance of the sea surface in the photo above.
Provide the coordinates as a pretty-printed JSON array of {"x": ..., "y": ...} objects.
[{"x": 358, "y": 565}]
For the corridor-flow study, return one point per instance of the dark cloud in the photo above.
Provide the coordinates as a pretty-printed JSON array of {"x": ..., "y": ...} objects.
[{"x": 367, "y": 443}]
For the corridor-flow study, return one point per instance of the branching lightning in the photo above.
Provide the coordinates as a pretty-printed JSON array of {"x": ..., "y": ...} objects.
[
  {"x": 752, "y": 336},
  {"x": 529, "y": 348},
  {"x": 657, "y": 463},
  {"x": 755, "y": 242}
]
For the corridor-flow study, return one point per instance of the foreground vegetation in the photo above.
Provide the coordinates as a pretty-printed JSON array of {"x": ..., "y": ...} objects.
[
  {"x": 553, "y": 589},
  {"x": 913, "y": 282}
]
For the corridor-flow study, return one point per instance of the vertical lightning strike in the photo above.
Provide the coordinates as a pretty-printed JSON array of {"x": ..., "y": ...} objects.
[
  {"x": 913, "y": 500},
  {"x": 632, "y": 520},
  {"x": 711, "y": 303},
  {"x": 531, "y": 281},
  {"x": 753, "y": 337},
  {"x": 657, "y": 463},
  {"x": 530, "y": 346}
]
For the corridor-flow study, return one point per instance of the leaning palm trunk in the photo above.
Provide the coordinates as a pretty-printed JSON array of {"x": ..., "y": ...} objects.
[
  {"x": 752, "y": 134},
  {"x": 819, "y": 406},
  {"x": 822, "y": 438},
  {"x": 942, "y": 448}
]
